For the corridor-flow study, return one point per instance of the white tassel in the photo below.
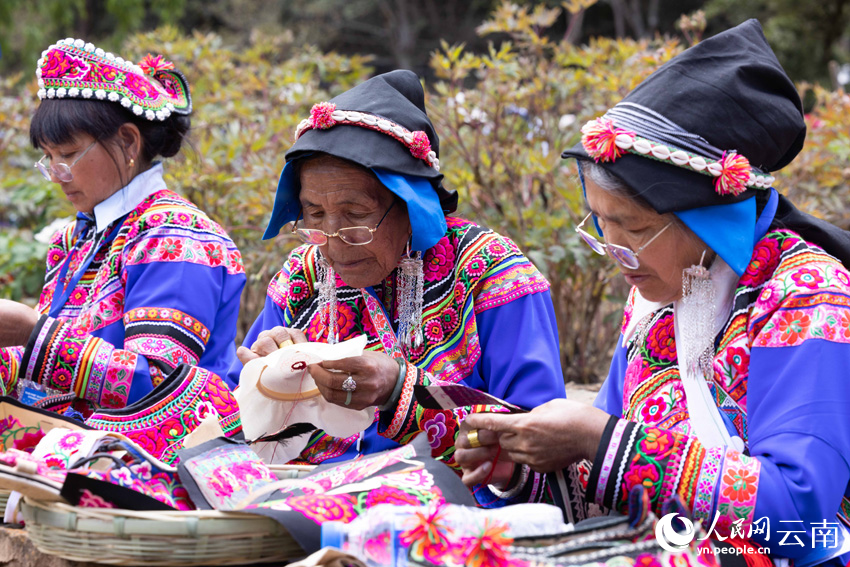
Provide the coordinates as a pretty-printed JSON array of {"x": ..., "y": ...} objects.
[
  {"x": 696, "y": 322},
  {"x": 411, "y": 289},
  {"x": 326, "y": 282}
]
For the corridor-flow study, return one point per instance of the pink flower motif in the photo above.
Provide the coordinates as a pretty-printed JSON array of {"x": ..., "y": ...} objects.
[
  {"x": 184, "y": 219},
  {"x": 71, "y": 440},
  {"x": 644, "y": 475},
  {"x": 763, "y": 262},
  {"x": 598, "y": 138},
  {"x": 434, "y": 331},
  {"x": 298, "y": 291},
  {"x": 739, "y": 359},
  {"x": 661, "y": 342},
  {"x": 439, "y": 260},
  {"x": 90, "y": 500},
  {"x": 28, "y": 441},
  {"x": 653, "y": 410},
  {"x": 449, "y": 318},
  {"x": 769, "y": 297},
  {"x": 436, "y": 429},
  {"x": 321, "y": 115},
  {"x": 734, "y": 174},
  {"x": 460, "y": 291},
  {"x": 476, "y": 267},
  {"x": 807, "y": 277},
  {"x": 420, "y": 147},
  {"x": 497, "y": 249},
  {"x": 841, "y": 276}
]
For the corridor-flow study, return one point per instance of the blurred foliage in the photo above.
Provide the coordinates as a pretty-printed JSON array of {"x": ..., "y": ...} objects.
[
  {"x": 806, "y": 36},
  {"x": 503, "y": 115}
]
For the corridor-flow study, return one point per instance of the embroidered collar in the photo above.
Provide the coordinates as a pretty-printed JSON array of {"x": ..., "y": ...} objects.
[{"x": 128, "y": 197}]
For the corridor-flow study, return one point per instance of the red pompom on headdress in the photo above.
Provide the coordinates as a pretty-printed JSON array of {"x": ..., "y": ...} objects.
[
  {"x": 420, "y": 147},
  {"x": 734, "y": 174},
  {"x": 320, "y": 115},
  {"x": 151, "y": 64},
  {"x": 599, "y": 138}
]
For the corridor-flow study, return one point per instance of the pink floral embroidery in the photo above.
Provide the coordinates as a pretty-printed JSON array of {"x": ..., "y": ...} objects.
[
  {"x": 439, "y": 260},
  {"x": 661, "y": 341},
  {"x": 806, "y": 277},
  {"x": 653, "y": 410},
  {"x": 475, "y": 268},
  {"x": 71, "y": 440},
  {"x": 449, "y": 318},
  {"x": 434, "y": 330},
  {"x": 645, "y": 475},
  {"x": 89, "y": 500},
  {"x": 739, "y": 359},
  {"x": 323, "y": 507},
  {"x": 763, "y": 263}
]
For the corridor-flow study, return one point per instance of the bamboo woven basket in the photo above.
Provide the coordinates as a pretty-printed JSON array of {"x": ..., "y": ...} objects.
[{"x": 126, "y": 537}]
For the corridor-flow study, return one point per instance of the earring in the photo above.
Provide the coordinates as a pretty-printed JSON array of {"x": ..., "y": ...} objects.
[
  {"x": 697, "y": 324},
  {"x": 326, "y": 282},
  {"x": 411, "y": 290},
  {"x": 132, "y": 163}
]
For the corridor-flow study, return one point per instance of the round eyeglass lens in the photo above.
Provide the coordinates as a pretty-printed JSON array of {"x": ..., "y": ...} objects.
[
  {"x": 309, "y": 236},
  {"x": 594, "y": 244},
  {"x": 625, "y": 257},
  {"x": 356, "y": 235}
]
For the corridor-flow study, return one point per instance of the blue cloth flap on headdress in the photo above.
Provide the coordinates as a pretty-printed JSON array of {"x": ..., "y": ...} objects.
[
  {"x": 726, "y": 229},
  {"x": 286, "y": 204},
  {"x": 427, "y": 220}
]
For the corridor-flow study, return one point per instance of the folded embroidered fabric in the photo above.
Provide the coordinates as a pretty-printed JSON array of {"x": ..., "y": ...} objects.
[
  {"x": 342, "y": 491},
  {"x": 221, "y": 473},
  {"x": 159, "y": 421},
  {"x": 133, "y": 481},
  {"x": 276, "y": 391},
  {"x": 23, "y": 426}
]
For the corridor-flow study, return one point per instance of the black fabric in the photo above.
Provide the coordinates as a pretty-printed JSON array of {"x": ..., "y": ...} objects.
[
  {"x": 396, "y": 96},
  {"x": 729, "y": 89}
]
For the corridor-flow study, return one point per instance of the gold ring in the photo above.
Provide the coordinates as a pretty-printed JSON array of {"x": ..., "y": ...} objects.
[
  {"x": 286, "y": 343},
  {"x": 472, "y": 437}
]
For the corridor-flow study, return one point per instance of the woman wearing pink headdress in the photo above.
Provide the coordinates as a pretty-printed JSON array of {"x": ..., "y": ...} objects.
[{"x": 143, "y": 280}]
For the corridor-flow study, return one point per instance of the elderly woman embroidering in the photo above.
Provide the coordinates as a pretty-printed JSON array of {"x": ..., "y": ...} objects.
[
  {"x": 116, "y": 315},
  {"x": 727, "y": 388},
  {"x": 437, "y": 296}
]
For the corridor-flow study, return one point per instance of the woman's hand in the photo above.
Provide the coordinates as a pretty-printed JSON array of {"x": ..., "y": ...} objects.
[
  {"x": 477, "y": 462},
  {"x": 374, "y": 373},
  {"x": 269, "y": 341},
  {"x": 548, "y": 438},
  {"x": 16, "y": 323}
]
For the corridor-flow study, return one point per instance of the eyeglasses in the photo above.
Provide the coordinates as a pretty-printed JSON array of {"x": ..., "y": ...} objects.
[
  {"x": 61, "y": 171},
  {"x": 354, "y": 235},
  {"x": 625, "y": 256}
]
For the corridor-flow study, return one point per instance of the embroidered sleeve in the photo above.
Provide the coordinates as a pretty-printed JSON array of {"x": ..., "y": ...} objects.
[
  {"x": 10, "y": 362},
  {"x": 666, "y": 464},
  {"x": 178, "y": 285}
]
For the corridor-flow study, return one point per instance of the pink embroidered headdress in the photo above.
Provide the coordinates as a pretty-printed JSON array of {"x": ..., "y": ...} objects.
[{"x": 72, "y": 68}]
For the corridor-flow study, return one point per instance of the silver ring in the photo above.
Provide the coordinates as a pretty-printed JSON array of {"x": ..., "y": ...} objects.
[
  {"x": 349, "y": 385},
  {"x": 348, "y": 398}
]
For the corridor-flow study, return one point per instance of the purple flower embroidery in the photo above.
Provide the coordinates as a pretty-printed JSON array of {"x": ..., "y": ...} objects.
[{"x": 436, "y": 429}]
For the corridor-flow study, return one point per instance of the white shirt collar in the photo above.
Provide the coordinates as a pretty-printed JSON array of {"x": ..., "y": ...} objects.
[{"x": 128, "y": 197}]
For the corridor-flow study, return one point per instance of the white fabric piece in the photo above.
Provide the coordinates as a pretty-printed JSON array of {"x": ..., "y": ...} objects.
[{"x": 284, "y": 374}]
